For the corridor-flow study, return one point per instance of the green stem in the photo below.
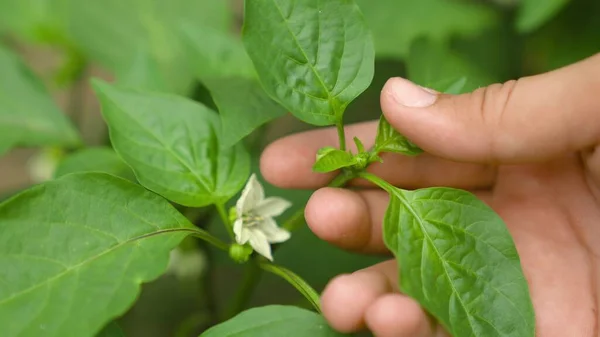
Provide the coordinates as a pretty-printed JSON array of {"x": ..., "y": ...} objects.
[
  {"x": 377, "y": 181},
  {"x": 225, "y": 219},
  {"x": 341, "y": 135},
  {"x": 302, "y": 286},
  {"x": 251, "y": 278},
  {"x": 207, "y": 237}
]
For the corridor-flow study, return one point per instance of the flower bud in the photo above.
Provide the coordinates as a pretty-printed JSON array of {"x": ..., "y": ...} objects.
[{"x": 240, "y": 253}]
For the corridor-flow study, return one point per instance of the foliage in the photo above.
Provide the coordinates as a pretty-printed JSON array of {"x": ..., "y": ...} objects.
[{"x": 193, "y": 100}]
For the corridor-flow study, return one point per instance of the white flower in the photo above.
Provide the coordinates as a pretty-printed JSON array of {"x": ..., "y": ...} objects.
[{"x": 254, "y": 223}]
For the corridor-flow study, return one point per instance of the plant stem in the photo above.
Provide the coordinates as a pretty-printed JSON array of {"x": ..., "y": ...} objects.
[
  {"x": 341, "y": 135},
  {"x": 302, "y": 286},
  {"x": 225, "y": 219},
  {"x": 206, "y": 237},
  {"x": 252, "y": 275}
]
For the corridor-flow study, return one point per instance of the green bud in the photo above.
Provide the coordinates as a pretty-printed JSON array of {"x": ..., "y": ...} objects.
[
  {"x": 240, "y": 253},
  {"x": 232, "y": 215}
]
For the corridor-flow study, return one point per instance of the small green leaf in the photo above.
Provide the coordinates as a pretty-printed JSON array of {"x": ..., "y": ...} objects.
[
  {"x": 28, "y": 116},
  {"x": 312, "y": 56},
  {"x": 390, "y": 140},
  {"x": 534, "y": 13},
  {"x": 459, "y": 261},
  {"x": 331, "y": 159},
  {"x": 95, "y": 159},
  {"x": 274, "y": 320},
  {"x": 111, "y": 330},
  {"x": 173, "y": 145},
  {"x": 243, "y": 106},
  {"x": 359, "y": 145},
  {"x": 74, "y": 251},
  {"x": 397, "y": 23},
  {"x": 434, "y": 66}
]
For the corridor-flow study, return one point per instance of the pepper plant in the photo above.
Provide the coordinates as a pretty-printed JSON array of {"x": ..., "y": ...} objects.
[{"x": 76, "y": 248}]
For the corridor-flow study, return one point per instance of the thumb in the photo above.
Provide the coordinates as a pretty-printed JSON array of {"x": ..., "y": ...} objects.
[{"x": 531, "y": 119}]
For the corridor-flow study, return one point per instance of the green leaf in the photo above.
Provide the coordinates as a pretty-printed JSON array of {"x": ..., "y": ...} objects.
[
  {"x": 534, "y": 13},
  {"x": 28, "y": 116},
  {"x": 243, "y": 106},
  {"x": 35, "y": 20},
  {"x": 459, "y": 261},
  {"x": 434, "y": 66},
  {"x": 390, "y": 140},
  {"x": 111, "y": 330},
  {"x": 74, "y": 251},
  {"x": 396, "y": 23},
  {"x": 143, "y": 73},
  {"x": 297, "y": 282},
  {"x": 331, "y": 159},
  {"x": 112, "y": 32},
  {"x": 571, "y": 37},
  {"x": 173, "y": 145},
  {"x": 274, "y": 320},
  {"x": 314, "y": 57},
  {"x": 95, "y": 159},
  {"x": 213, "y": 53}
]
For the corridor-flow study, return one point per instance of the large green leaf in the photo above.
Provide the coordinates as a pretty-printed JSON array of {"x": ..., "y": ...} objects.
[
  {"x": 459, "y": 261},
  {"x": 312, "y": 56},
  {"x": 112, "y": 32},
  {"x": 396, "y": 23},
  {"x": 436, "y": 67},
  {"x": 74, "y": 251},
  {"x": 274, "y": 320},
  {"x": 569, "y": 38},
  {"x": 95, "y": 159},
  {"x": 214, "y": 53},
  {"x": 173, "y": 145},
  {"x": 144, "y": 73},
  {"x": 220, "y": 61},
  {"x": 36, "y": 20},
  {"x": 534, "y": 13},
  {"x": 28, "y": 116},
  {"x": 111, "y": 330},
  {"x": 243, "y": 105}
]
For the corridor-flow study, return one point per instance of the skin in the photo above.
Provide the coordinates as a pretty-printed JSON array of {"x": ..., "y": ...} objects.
[{"x": 528, "y": 148}]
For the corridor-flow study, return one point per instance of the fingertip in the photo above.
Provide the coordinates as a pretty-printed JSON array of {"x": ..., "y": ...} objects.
[
  {"x": 340, "y": 217},
  {"x": 398, "y": 316},
  {"x": 347, "y": 297},
  {"x": 288, "y": 162}
]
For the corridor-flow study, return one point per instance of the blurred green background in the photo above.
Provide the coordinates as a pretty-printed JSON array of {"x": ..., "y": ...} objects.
[{"x": 140, "y": 43}]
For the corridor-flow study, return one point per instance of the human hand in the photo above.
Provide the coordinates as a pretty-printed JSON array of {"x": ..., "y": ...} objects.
[{"x": 529, "y": 148}]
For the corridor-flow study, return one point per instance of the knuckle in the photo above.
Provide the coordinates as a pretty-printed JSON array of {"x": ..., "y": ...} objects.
[{"x": 492, "y": 104}]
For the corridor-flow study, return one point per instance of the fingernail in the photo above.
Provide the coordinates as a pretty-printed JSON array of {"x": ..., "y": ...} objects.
[{"x": 407, "y": 93}]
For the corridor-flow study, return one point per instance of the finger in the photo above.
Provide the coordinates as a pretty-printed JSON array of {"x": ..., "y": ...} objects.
[
  {"x": 532, "y": 119},
  {"x": 346, "y": 298},
  {"x": 288, "y": 163},
  {"x": 348, "y": 219},
  {"x": 396, "y": 315},
  {"x": 353, "y": 220}
]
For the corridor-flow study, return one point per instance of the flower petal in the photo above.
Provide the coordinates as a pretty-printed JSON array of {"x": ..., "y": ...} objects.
[
  {"x": 259, "y": 242},
  {"x": 272, "y": 232},
  {"x": 241, "y": 235},
  {"x": 252, "y": 195},
  {"x": 272, "y": 207}
]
